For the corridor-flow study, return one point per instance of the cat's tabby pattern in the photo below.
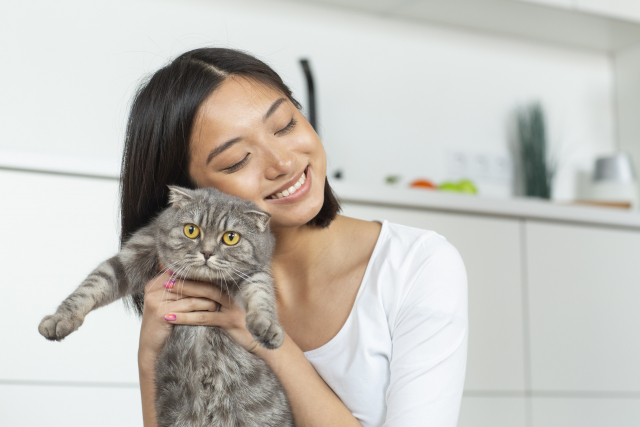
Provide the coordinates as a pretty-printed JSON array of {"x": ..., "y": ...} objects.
[{"x": 203, "y": 378}]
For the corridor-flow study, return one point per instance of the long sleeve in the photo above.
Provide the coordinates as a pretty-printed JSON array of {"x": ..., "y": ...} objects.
[{"x": 429, "y": 345}]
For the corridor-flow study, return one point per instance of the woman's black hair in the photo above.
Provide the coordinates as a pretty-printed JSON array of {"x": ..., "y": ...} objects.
[{"x": 156, "y": 152}]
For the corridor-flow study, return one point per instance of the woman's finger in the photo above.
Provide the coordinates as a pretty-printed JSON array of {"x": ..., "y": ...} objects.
[
  {"x": 156, "y": 283},
  {"x": 200, "y": 290},
  {"x": 198, "y": 318},
  {"x": 186, "y": 305}
]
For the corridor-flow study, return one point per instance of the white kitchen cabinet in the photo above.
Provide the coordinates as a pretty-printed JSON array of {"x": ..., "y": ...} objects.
[
  {"x": 491, "y": 252},
  {"x": 585, "y": 412},
  {"x": 68, "y": 406},
  {"x": 492, "y": 412},
  {"x": 584, "y": 293},
  {"x": 56, "y": 230}
]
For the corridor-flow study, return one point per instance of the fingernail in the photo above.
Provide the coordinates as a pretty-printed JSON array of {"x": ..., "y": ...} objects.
[
  {"x": 170, "y": 317},
  {"x": 169, "y": 284},
  {"x": 169, "y": 272}
]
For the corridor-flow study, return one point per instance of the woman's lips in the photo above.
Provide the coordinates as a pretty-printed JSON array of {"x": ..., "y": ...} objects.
[{"x": 300, "y": 188}]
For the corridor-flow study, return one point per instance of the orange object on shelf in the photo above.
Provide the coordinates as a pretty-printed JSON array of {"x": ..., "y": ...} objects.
[{"x": 423, "y": 183}]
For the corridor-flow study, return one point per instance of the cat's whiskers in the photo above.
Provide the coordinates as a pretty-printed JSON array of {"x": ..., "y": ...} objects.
[
  {"x": 241, "y": 274},
  {"x": 234, "y": 280},
  {"x": 248, "y": 279},
  {"x": 166, "y": 291},
  {"x": 181, "y": 276},
  {"x": 187, "y": 268},
  {"x": 158, "y": 277},
  {"x": 161, "y": 273},
  {"x": 226, "y": 286}
]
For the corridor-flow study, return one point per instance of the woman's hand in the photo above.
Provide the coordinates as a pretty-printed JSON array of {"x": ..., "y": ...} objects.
[
  {"x": 195, "y": 309},
  {"x": 159, "y": 301}
]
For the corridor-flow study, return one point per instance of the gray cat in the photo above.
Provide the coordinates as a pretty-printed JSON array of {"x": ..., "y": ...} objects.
[{"x": 203, "y": 378}]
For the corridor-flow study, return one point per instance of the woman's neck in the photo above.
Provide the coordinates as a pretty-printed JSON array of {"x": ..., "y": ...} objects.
[{"x": 302, "y": 253}]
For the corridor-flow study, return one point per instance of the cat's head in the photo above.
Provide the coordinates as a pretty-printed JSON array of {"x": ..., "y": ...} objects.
[{"x": 207, "y": 235}]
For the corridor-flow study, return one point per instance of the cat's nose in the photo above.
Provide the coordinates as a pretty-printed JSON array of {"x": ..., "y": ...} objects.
[{"x": 207, "y": 255}]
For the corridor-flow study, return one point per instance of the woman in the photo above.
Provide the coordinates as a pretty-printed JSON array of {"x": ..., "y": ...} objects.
[{"x": 375, "y": 314}]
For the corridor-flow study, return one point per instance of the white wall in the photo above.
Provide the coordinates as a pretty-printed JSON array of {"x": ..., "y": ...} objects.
[
  {"x": 394, "y": 97},
  {"x": 627, "y": 67}
]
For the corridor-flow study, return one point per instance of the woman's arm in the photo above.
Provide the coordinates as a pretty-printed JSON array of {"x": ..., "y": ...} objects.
[
  {"x": 312, "y": 402},
  {"x": 429, "y": 339},
  {"x": 147, "y": 389}
]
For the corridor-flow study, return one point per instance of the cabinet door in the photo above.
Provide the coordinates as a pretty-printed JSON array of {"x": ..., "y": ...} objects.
[
  {"x": 585, "y": 412},
  {"x": 492, "y": 412},
  {"x": 55, "y": 231},
  {"x": 491, "y": 253},
  {"x": 584, "y": 294},
  {"x": 69, "y": 406}
]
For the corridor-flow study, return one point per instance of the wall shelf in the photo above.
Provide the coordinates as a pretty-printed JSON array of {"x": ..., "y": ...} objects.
[{"x": 517, "y": 208}]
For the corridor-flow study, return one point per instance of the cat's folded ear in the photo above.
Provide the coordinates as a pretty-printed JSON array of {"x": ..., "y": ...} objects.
[
  {"x": 259, "y": 218},
  {"x": 179, "y": 196}
]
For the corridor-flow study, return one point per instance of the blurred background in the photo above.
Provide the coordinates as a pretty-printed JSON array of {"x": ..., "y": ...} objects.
[{"x": 511, "y": 127}]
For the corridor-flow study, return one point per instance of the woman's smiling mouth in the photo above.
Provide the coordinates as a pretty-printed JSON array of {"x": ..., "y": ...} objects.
[{"x": 292, "y": 191}]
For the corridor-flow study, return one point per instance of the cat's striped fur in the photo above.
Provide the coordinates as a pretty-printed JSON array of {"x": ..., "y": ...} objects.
[{"x": 203, "y": 378}]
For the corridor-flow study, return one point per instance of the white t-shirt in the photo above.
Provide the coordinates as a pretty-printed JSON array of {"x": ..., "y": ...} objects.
[{"x": 400, "y": 358}]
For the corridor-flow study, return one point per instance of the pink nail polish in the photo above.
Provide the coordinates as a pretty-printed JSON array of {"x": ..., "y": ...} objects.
[
  {"x": 169, "y": 284},
  {"x": 169, "y": 272},
  {"x": 170, "y": 317}
]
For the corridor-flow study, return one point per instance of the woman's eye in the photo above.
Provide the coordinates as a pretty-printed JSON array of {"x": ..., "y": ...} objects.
[
  {"x": 191, "y": 231},
  {"x": 285, "y": 130},
  {"x": 238, "y": 165}
]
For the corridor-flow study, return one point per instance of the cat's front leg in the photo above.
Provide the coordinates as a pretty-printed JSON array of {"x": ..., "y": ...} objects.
[
  {"x": 257, "y": 298},
  {"x": 103, "y": 286}
]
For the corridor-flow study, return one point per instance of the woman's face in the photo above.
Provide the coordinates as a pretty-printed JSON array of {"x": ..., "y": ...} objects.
[{"x": 250, "y": 141}]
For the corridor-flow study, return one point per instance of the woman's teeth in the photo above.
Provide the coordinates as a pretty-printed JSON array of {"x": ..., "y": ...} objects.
[{"x": 291, "y": 189}]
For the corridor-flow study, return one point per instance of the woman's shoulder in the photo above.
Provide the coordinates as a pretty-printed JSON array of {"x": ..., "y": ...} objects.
[
  {"x": 416, "y": 267},
  {"x": 415, "y": 245}
]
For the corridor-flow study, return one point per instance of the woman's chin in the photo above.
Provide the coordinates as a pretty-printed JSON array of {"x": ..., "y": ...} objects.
[{"x": 294, "y": 217}]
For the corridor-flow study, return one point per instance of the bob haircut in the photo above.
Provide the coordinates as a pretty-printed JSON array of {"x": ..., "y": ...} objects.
[{"x": 156, "y": 152}]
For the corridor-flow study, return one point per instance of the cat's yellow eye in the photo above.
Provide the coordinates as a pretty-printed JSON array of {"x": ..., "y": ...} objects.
[
  {"x": 231, "y": 238},
  {"x": 191, "y": 231}
]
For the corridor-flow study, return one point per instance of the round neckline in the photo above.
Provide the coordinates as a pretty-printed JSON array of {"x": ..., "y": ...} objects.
[{"x": 326, "y": 346}]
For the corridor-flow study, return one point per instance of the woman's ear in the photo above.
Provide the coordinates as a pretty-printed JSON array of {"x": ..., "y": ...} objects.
[
  {"x": 259, "y": 218},
  {"x": 179, "y": 196}
]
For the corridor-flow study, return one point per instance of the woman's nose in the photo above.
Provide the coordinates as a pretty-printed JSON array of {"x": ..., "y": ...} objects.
[{"x": 280, "y": 160}]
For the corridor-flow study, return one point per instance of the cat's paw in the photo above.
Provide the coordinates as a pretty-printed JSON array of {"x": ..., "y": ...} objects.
[
  {"x": 57, "y": 326},
  {"x": 266, "y": 331}
]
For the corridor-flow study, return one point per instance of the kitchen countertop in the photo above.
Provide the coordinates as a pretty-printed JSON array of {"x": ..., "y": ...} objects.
[{"x": 520, "y": 208}]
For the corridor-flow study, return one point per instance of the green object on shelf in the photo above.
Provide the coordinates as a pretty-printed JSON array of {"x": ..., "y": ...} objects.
[
  {"x": 392, "y": 179},
  {"x": 537, "y": 169},
  {"x": 467, "y": 186},
  {"x": 464, "y": 186}
]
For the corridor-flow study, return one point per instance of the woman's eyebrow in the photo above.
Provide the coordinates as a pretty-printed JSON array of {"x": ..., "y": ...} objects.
[
  {"x": 223, "y": 147},
  {"x": 229, "y": 143},
  {"x": 273, "y": 108}
]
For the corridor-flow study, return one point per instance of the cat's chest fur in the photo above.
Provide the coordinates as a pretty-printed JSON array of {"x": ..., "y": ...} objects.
[
  {"x": 208, "y": 351},
  {"x": 202, "y": 371}
]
